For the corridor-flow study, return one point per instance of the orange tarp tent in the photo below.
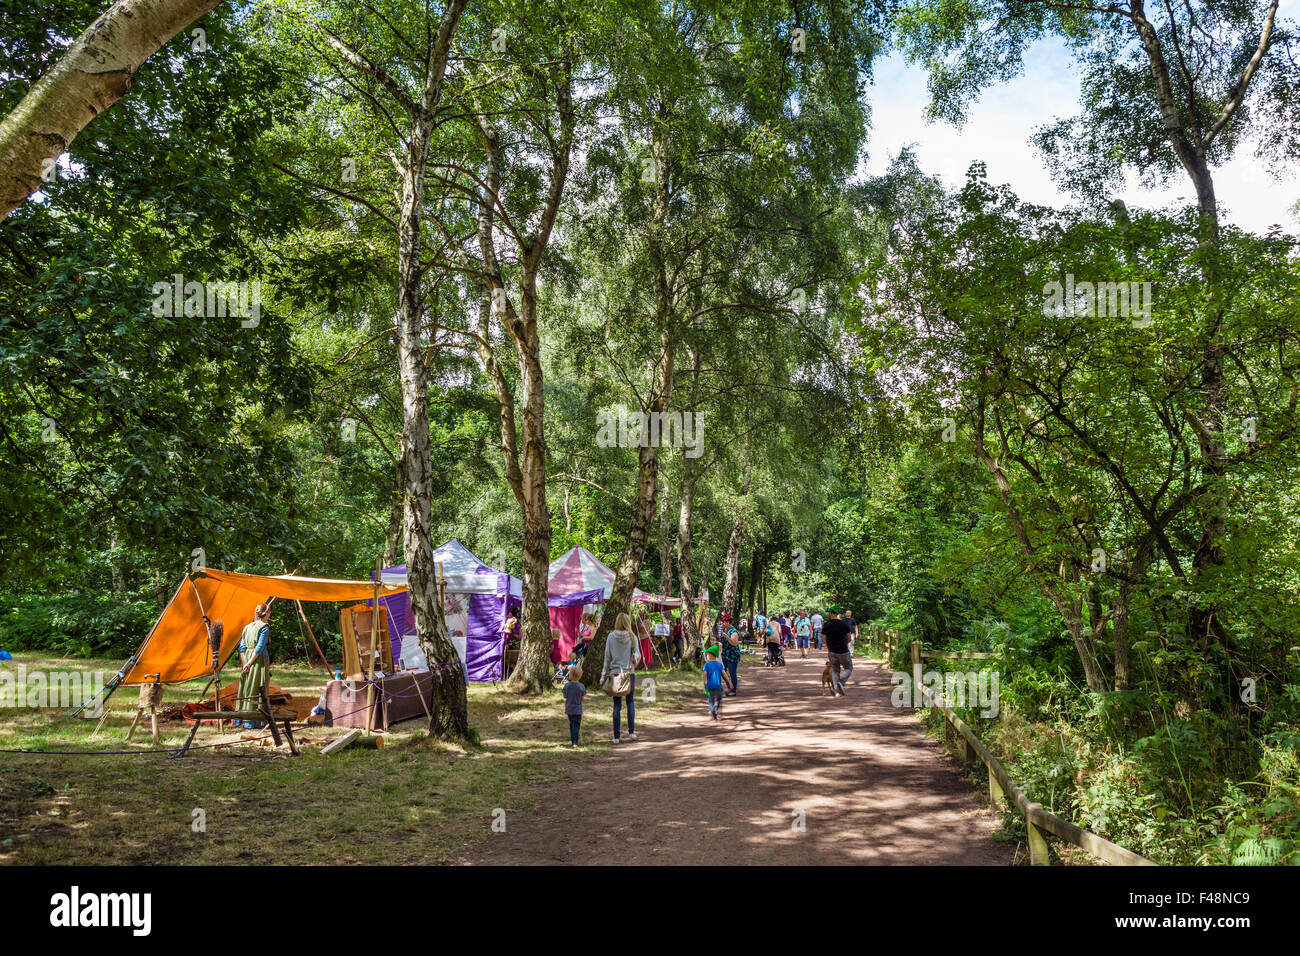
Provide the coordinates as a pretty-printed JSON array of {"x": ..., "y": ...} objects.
[{"x": 176, "y": 650}]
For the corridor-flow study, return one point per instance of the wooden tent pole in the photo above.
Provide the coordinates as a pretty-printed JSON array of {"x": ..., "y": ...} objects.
[
  {"x": 375, "y": 611},
  {"x": 303, "y": 614}
]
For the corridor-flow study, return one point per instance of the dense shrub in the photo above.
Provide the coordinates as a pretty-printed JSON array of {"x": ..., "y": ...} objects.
[{"x": 79, "y": 624}]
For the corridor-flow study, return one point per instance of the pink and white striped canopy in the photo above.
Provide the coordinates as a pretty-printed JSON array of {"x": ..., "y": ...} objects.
[{"x": 580, "y": 570}]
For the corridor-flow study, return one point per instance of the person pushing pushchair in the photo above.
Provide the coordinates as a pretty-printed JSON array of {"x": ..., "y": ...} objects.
[{"x": 775, "y": 652}]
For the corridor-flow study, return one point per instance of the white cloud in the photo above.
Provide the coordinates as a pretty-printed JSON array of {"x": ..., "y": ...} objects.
[{"x": 1000, "y": 125}]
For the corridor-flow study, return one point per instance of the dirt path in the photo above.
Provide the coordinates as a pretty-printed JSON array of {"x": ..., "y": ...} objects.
[{"x": 872, "y": 788}]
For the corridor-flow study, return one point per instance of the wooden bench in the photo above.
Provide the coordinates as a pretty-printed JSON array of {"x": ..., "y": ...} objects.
[{"x": 263, "y": 714}]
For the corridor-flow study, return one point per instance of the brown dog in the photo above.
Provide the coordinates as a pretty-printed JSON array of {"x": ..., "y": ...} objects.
[{"x": 827, "y": 683}]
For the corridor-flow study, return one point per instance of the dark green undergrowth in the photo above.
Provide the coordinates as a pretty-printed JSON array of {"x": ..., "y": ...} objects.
[{"x": 1155, "y": 770}]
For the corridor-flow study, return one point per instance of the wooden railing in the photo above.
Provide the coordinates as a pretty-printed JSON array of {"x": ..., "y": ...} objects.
[{"x": 1038, "y": 821}]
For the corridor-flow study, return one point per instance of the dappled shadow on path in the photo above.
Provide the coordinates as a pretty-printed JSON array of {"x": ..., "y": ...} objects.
[{"x": 784, "y": 777}]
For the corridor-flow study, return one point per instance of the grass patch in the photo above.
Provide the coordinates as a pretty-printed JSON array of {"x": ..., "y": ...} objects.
[{"x": 415, "y": 801}]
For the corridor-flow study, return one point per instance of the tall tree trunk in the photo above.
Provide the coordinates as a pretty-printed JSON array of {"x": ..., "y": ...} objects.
[
  {"x": 533, "y": 672},
  {"x": 643, "y": 508},
  {"x": 1192, "y": 141},
  {"x": 115, "y": 564},
  {"x": 1069, "y": 601},
  {"x": 525, "y": 452},
  {"x": 665, "y": 547},
  {"x": 731, "y": 587},
  {"x": 393, "y": 536},
  {"x": 691, "y": 638},
  {"x": 1119, "y": 629},
  {"x": 755, "y": 573},
  {"x": 449, "y": 713},
  {"x": 94, "y": 73},
  {"x": 647, "y": 485}
]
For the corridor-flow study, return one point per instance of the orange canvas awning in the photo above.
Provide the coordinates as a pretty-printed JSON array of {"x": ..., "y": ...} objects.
[{"x": 177, "y": 648}]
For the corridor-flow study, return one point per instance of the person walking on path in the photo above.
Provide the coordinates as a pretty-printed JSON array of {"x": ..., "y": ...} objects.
[
  {"x": 772, "y": 640},
  {"x": 255, "y": 664},
  {"x": 621, "y": 657},
  {"x": 714, "y": 675},
  {"x": 817, "y": 622},
  {"x": 802, "y": 632},
  {"x": 837, "y": 634},
  {"x": 574, "y": 691},
  {"x": 731, "y": 659},
  {"x": 853, "y": 629}
]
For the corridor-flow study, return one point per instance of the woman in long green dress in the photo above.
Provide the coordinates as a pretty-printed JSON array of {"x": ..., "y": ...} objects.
[{"x": 256, "y": 672}]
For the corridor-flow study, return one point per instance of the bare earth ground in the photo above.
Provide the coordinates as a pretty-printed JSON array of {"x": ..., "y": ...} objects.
[{"x": 871, "y": 787}]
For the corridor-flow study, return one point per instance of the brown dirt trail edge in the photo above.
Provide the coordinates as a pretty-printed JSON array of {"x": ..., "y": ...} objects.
[{"x": 873, "y": 789}]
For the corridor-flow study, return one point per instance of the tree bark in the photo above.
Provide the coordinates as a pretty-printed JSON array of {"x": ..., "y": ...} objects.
[
  {"x": 524, "y": 443},
  {"x": 393, "y": 537},
  {"x": 94, "y": 73},
  {"x": 643, "y": 507},
  {"x": 647, "y": 485},
  {"x": 449, "y": 713},
  {"x": 115, "y": 564},
  {"x": 691, "y": 640},
  {"x": 1192, "y": 147},
  {"x": 1119, "y": 629},
  {"x": 731, "y": 587},
  {"x": 665, "y": 548},
  {"x": 755, "y": 575}
]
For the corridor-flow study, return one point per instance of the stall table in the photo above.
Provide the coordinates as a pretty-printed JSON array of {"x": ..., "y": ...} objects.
[{"x": 393, "y": 699}]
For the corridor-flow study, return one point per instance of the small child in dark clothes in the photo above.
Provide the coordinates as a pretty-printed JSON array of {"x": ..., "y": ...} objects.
[{"x": 573, "y": 694}]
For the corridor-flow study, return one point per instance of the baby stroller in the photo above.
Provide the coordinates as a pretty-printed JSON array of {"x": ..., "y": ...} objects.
[
  {"x": 775, "y": 654},
  {"x": 562, "y": 672},
  {"x": 562, "y": 669}
]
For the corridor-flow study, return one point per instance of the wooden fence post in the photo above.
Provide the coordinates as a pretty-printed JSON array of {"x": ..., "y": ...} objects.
[
  {"x": 917, "y": 701},
  {"x": 1038, "y": 855},
  {"x": 995, "y": 790}
]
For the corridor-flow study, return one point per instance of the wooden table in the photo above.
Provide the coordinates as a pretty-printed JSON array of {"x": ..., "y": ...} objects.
[
  {"x": 393, "y": 698},
  {"x": 263, "y": 714}
]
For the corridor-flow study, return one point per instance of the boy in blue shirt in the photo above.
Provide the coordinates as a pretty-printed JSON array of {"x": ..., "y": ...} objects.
[
  {"x": 574, "y": 691},
  {"x": 714, "y": 675}
]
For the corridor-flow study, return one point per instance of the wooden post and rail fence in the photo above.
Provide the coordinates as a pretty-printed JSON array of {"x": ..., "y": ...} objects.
[{"x": 1039, "y": 822}]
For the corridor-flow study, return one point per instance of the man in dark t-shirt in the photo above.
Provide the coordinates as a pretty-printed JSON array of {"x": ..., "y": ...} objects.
[{"x": 836, "y": 632}]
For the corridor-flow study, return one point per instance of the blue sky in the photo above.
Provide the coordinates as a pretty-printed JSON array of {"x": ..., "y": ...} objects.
[{"x": 998, "y": 131}]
